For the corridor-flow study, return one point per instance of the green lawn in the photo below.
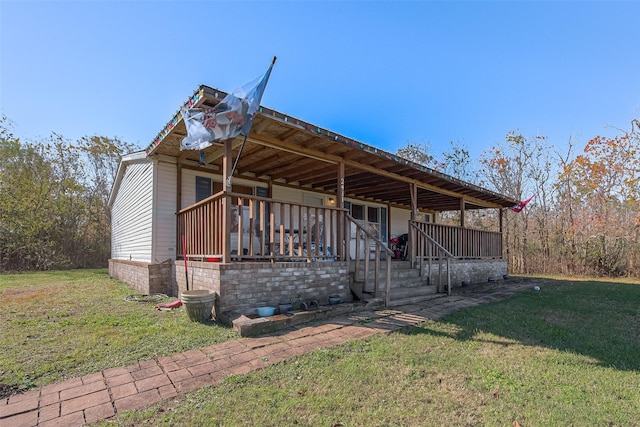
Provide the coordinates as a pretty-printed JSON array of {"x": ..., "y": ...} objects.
[
  {"x": 567, "y": 355},
  {"x": 60, "y": 325}
]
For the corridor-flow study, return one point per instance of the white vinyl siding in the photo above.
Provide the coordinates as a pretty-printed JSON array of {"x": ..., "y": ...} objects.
[
  {"x": 295, "y": 195},
  {"x": 164, "y": 228},
  {"x": 188, "y": 196},
  {"x": 131, "y": 214},
  {"x": 400, "y": 221},
  {"x": 287, "y": 194}
]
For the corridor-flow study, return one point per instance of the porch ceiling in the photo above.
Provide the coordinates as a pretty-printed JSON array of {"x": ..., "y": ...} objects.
[{"x": 289, "y": 151}]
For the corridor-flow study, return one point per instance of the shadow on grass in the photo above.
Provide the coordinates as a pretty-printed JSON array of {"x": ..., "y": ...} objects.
[{"x": 600, "y": 320}]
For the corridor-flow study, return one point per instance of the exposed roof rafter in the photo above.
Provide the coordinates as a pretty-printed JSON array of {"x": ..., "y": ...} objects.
[{"x": 285, "y": 148}]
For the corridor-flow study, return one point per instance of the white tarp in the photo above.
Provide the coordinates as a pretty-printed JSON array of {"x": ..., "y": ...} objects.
[{"x": 233, "y": 116}]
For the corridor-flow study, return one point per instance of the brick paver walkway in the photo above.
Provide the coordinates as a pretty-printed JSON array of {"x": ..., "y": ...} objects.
[{"x": 103, "y": 394}]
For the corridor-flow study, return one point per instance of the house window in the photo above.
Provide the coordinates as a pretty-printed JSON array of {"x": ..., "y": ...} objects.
[
  {"x": 357, "y": 211},
  {"x": 373, "y": 221},
  {"x": 203, "y": 188},
  {"x": 372, "y": 214},
  {"x": 374, "y": 218},
  {"x": 383, "y": 224}
]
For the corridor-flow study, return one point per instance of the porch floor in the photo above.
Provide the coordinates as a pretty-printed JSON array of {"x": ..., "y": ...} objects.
[{"x": 102, "y": 395}]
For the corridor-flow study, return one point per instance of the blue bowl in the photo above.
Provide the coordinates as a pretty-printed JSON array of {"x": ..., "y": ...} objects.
[
  {"x": 266, "y": 311},
  {"x": 334, "y": 299}
]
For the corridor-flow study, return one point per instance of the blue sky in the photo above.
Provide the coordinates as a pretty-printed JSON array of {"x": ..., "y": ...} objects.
[{"x": 384, "y": 73}]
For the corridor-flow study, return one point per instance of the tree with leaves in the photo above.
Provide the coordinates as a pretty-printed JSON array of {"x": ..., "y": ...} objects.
[
  {"x": 519, "y": 168},
  {"x": 603, "y": 183},
  {"x": 53, "y": 200}
]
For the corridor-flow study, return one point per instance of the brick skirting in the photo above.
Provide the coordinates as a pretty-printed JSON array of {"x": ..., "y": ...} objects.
[
  {"x": 472, "y": 270},
  {"x": 241, "y": 287},
  {"x": 143, "y": 277}
]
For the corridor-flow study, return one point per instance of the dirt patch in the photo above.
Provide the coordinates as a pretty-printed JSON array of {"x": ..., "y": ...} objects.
[
  {"x": 8, "y": 390},
  {"x": 20, "y": 296}
]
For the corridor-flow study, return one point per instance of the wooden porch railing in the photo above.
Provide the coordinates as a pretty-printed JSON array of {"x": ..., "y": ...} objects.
[
  {"x": 199, "y": 229},
  {"x": 427, "y": 248},
  {"x": 380, "y": 246},
  {"x": 463, "y": 242},
  {"x": 260, "y": 229}
]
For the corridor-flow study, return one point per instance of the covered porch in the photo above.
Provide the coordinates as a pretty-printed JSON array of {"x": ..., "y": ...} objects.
[
  {"x": 278, "y": 250},
  {"x": 294, "y": 196}
]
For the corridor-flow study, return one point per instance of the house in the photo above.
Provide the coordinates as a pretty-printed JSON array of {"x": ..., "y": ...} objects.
[{"x": 295, "y": 211}]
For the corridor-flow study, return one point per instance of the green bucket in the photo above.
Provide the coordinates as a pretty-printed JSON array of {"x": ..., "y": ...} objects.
[{"x": 198, "y": 304}]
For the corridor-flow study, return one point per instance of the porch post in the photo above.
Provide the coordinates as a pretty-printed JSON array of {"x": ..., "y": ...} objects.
[
  {"x": 501, "y": 225},
  {"x": 341, "y": 251},
  {"x": 227, "y": 159},
  {"x": 179, "y": 229},
  {"x": 414, "y": 209},
  {"x": 461, "y": 239},
  {"x": 414, "y": 200}
]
